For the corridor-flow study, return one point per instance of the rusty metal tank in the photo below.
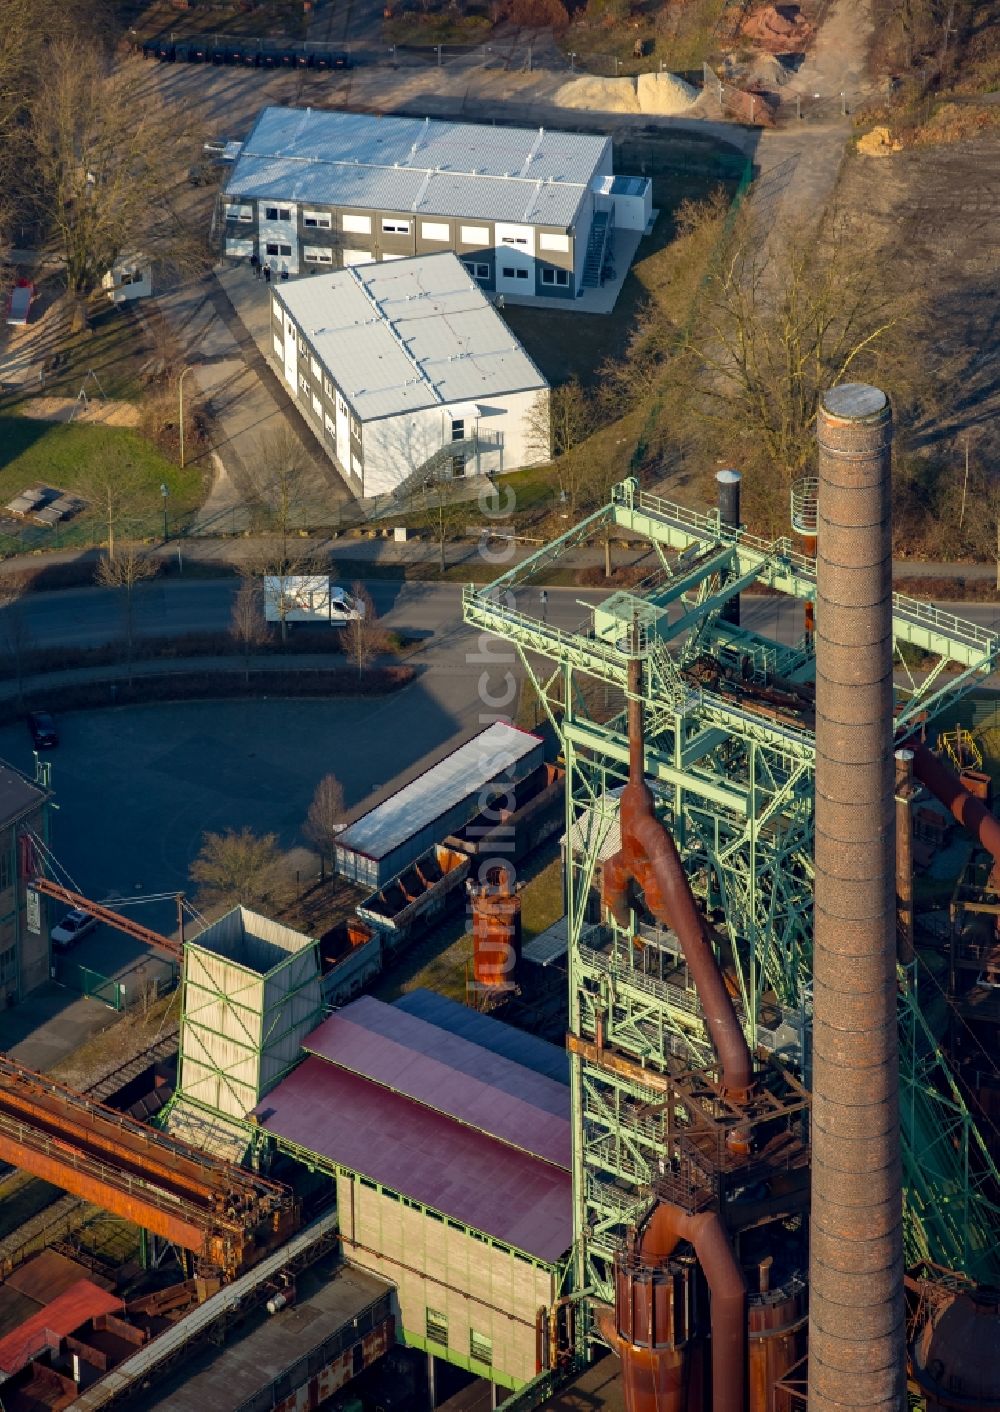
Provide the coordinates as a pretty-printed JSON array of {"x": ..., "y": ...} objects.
[
  {"x": 777, "y": 1327},
  {"x": 955, "y": 1357},
  {"x": 496, "y": 930},
  {"x": 655, "y": 1334}
]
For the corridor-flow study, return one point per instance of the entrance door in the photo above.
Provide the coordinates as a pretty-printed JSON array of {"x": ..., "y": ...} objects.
[{"x": 515, "y": 254}]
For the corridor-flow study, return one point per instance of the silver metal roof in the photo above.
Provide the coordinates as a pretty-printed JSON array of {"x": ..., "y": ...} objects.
[
  {"x": 408, "y": 334},
  {"x": 428, "y": 166},
  {"x": 462, "y": 773}
]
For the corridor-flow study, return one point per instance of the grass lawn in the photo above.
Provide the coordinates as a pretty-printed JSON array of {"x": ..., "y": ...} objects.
[
  {"x": 441, "y": 28},
  {"x": 66, "y": 456}
]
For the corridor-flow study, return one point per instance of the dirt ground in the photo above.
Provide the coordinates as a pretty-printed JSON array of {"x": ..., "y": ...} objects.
[{"x": 940, "y": 206}]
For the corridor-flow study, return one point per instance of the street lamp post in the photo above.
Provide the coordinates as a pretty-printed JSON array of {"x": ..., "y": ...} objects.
[
  {"x": 180, "y": 408},
  {"x": 165, "y": 492}
]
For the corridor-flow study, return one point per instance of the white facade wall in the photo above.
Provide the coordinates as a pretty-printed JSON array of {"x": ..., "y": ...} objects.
[
  {"x": 395, "y": 447},
  {"x": 439, "y": 1265}
]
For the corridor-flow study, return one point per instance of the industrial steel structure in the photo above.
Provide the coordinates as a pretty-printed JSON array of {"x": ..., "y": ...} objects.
[{"x": 691, "y": 929}]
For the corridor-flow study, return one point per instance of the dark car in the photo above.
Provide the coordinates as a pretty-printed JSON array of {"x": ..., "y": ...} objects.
[{"x": 43, "y": 730}]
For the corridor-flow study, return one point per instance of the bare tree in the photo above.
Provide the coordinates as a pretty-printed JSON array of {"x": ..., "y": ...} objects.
[
  {"x": 15, "y": 634},
  {"x": 785, "y": 315},
  {"x": 239, "y": 867},
  {"x": 246, "y": 625},
  {"x": 125, "y": 572},
  {"x": 325, "y": 818},
  {"x": 107, "y": 155},
  {"x": 119, "y": 492},
  {"x": 278, "y": 473},
  {"x": 364, "y": 636}
]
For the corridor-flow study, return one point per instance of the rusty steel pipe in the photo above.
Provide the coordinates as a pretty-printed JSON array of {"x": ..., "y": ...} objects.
[
  {"x": 969, "y": 811},
  {"x": 653, "y": 1377},
  {"x": 856, "y": 1327},
  {"x": 649, "y": 859},
  {"x": 904, "y": 856}
]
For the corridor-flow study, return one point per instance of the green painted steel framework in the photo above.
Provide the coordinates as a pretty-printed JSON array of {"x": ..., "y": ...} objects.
[{"x": 735, "y": 785}]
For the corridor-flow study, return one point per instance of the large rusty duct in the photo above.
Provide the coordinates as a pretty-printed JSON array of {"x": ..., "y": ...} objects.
[
  {"x": 856, "y": 1321},
  {"x": 226, "y": 1216}
]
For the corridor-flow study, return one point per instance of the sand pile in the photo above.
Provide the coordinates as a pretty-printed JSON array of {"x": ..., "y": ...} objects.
[
  {"x": 780, "y": 31},
  {"x": 660, "y": 95},
  {"x": 879, "y": 143},
  {"x": 664, "y": 94}
]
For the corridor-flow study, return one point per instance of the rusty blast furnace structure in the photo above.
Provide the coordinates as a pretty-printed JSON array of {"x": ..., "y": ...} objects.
[{"x": 766, "y": 1129}]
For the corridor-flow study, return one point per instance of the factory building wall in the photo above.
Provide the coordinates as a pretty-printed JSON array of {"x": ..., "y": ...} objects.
[{"x": 462, "y": 1296}]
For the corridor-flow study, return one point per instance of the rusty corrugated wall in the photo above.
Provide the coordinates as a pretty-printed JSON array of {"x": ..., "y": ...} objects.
[{"x": 856, "y": 1271}]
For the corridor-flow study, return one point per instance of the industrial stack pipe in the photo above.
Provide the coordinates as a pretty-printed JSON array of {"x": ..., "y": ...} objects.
[
  {"x": 728, "y": 488},
  {"x": 856, "y": 1314}
]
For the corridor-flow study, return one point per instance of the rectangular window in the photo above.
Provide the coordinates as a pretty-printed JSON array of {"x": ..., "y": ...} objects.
[
  {"x": 277, "y": 213},
  {"x": 458, "y": 465},
  {"x": 133, "y": 277},
  {"x": 317, "y": 220},
  {"x": 476, "y": 270},
  {"x": 304, "y": 381},
  {"x": 328, "y": 388},
  {"x": 273, "y": 248},
  {"x": 458, "y": 429},
  {"x": 435, "y": 230},
  {"x": 317, "y": 405},
  {"x": 394, "y": 227},
  {"x": 316, "y": 255},
  {"x": 356, "y": 225},
  {"x": 238, "y": 212},
  {"x": 315, "y": 368},
  {"x": 234, "y": 246},
  {"x": 341, "y": 406},
  {"x": 553, "y": 242},
  {"x": 514, "y": 240},
  {"x": 482, "y": 271},
  {"x": 356, "y": 465},
  {"x": 475, "y": 235},
  {"x": 331, "y": 426},
  {"x": 437, "y": 1327},
  {"x": 279, "y": 347},
  {"x": 480, "y": 1348},
  {"x": 355, "y": 427},
  {"x": 522, "y": 274},
  {"x": 560, "y": 277},
  {"x": 509, "y": 272}
]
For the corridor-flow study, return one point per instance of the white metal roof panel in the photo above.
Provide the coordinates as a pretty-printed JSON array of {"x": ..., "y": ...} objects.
[
  {"x": 410, "y": 164},
  {"x": 408, "y": 334},
  {"x": 462, "y": 773}
]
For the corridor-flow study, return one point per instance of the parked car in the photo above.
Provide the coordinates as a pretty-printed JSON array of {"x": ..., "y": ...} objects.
[
  {"x": 74, "y": 926},
  {"x": 43, "y": 730},
  {"x": 19, "y": 303}
]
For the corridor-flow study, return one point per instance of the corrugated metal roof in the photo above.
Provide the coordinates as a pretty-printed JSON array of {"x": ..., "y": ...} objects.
[
  {"x": 458, "y": 776},
  {"x": 17, "y": 794},
  {"x": 408, "y": 334},
  {"x": 432, "y": 1159},
  {"x": 429, "y": 166},
  {"x": 450, "y": 1074},
  {"x": 497, "y": 1037},
  {"x": 82, "y": 1301},
  {"x": 50, "y": 1274}
]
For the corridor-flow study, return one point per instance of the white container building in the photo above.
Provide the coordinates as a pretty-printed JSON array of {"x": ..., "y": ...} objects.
[
  {"x": 529, "y": 211},
  {"x": 383, "y": 841},
  {"x": 408, "y": 374}
]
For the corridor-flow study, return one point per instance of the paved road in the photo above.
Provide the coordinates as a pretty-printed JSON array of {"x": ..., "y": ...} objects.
[{"x": 89, "y": 616}]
